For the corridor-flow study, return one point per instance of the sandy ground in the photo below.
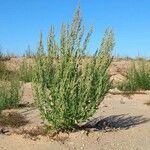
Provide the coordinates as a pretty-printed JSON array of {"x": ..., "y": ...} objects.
[{"x": 122, "y": 122}]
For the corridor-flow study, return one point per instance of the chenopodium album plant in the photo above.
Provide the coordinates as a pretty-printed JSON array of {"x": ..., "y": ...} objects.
[
  {"x": 10, "y": 94},
  {"x": 137, "y": 78},
  {"x": 69, "y": 89}
]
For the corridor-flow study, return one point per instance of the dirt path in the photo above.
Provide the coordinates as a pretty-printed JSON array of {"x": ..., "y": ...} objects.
[{"x": 126, "y": 120}]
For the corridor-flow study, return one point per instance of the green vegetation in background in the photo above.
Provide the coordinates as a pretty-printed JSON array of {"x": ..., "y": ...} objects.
[
  {"x": 9, "y": 88},
  {"x": 26, "y": 71},
  {"x": 9, "y": 94},
  {"x": 138, "y": 77},
  {"x": 29, "y": 53}
]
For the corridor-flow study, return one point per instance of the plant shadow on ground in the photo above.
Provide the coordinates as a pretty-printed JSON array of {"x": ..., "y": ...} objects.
[
  {"x": 115, "y": 122},
  {"x": 108, "y": 124},
  {"x": 13, "y": 120}
]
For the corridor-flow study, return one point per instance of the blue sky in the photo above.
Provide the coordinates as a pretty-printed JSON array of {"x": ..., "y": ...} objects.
[{"x": 22, "y": 20}]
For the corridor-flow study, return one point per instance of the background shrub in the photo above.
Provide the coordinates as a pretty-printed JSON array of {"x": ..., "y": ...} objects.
[
  {"x": 9, "y": 88},
  {"x": 26, "y": 71},
  {"x": 138, "y": 77},
  {"x": 9, "y": 94},
  {"x": 67, "y": 91}
]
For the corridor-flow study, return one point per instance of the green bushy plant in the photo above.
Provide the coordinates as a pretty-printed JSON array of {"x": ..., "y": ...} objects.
[
  {"x": 68, "y": 90},
  {"x": 26, "y": 71},
  {"x": 9, "y": 94},
  {"x": 9, "y": 88},
  {"x": 138, "y": 77}
]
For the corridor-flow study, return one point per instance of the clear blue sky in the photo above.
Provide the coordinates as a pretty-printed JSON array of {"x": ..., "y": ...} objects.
[{"x": 22, "y": 20}]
